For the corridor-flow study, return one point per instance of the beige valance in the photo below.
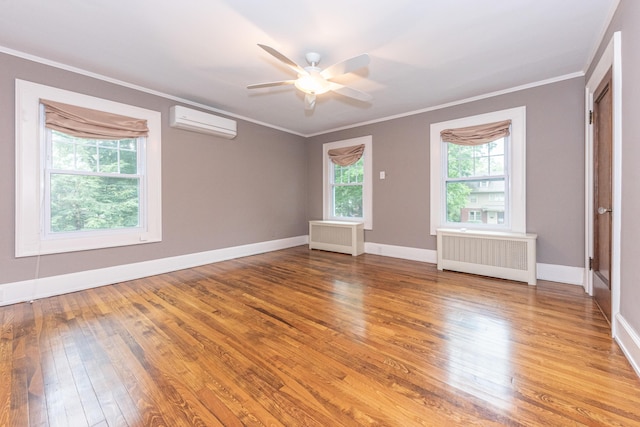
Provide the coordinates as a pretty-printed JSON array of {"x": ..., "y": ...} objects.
[
  {"x": 346, "y": 156},
  {"x": 477, "y": 135},
  {"x": 87, "y": 123}
]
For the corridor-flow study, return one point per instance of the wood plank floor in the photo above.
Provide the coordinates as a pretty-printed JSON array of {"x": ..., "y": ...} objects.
[{"x": 311, "y": 338}]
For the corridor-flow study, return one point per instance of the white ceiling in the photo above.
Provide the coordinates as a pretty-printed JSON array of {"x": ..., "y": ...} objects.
[{"x": 424, "y": 53}]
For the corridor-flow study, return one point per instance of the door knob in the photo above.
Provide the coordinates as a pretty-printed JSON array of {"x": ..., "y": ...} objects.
[{"x": 602, "y": 210}]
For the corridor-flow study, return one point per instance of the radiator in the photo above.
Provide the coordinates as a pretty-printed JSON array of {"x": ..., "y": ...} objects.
[
  {"x": 337, "y": 236},
  {"x": 504, "y": 255}
]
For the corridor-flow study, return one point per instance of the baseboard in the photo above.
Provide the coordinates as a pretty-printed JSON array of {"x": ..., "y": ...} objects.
[
  {"x": 560, "y": 273},
  {"x": 629, "y": 341},
  {"x": 413, "y": 254},
  {"x": 28, "y": 290},
  {"x": 551, "y": 272}
]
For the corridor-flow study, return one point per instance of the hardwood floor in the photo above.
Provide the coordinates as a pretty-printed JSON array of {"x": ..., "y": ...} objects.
[{"x": 311, "y": 338}]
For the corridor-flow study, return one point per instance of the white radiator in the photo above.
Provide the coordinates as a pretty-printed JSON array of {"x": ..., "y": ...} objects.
[
  {"x": 505, "y": 255},
  {"x": 337, "y": 236}
]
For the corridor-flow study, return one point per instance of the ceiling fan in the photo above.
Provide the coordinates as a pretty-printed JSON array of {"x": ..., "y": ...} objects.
[{"x": 313, "y": 81}]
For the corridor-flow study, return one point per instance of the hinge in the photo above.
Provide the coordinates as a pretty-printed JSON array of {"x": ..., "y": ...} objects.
[
  {"x": 590, "y": 263},
  {"x": 590, "y": 117}
]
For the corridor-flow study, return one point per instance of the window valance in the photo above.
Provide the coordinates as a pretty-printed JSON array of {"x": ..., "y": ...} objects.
[
  {"x": 476, "y": 135},
  {"x": 346, "y": 156},
  {"x": 87, "y": 123}
]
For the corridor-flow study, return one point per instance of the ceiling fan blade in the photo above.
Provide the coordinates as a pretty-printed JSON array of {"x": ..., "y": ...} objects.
[
  {"x": 271, "y": 84},
  {"x": 350, "y": 92},
  {"x": 289, "y": 63},
  {"x": 346, "y": 66},
  {"x": 309, "y": 101}
]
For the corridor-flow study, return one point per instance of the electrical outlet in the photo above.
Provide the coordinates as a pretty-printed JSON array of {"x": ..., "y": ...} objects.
[{"x": 383, "y": 175}]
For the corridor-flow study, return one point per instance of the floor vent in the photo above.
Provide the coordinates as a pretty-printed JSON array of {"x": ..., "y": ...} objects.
[
  {"x": 505, "y": 255},
  {"x": 337, "y": 236}
]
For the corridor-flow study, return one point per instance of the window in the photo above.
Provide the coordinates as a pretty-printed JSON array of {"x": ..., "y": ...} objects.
[
  {"x": 483, "y": 185},
  {"x": 76, "y": 192},
  {"x": 474, "y": 174},
  {"x": 475, "y": 216},
  {"x": 347, "y": 188},
  {"x": 91, "y": 184}
]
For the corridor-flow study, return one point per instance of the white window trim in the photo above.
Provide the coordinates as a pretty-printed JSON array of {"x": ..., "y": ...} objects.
[
  {"x": 30, "y": 148},
  {"x": 367, "y": 192},
  {"x": 517, "y": 162}
]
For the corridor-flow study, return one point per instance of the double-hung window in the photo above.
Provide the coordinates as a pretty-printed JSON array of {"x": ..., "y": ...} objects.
[
  {"x": 475, "y": 181},
  {"x": 478, "y": 172},
  {"x": 347, "y": 184},
  {"x": 92, "y": 184},
  {"x": 87, "y": 172},
  {"x": 347, "y": 180}
]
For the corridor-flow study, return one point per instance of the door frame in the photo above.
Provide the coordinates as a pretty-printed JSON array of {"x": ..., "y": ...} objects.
[{"x": 610, "y": 59}]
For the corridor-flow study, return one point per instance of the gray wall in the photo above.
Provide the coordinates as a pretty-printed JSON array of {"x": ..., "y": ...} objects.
[
  {"x": 555, "y": 170},
  {"x": 627, "y": 20},
  {"x": 216, "y": 193}
]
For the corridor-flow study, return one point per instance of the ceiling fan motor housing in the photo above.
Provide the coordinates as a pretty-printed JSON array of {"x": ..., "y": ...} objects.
[{"x": 313, "y": 58}]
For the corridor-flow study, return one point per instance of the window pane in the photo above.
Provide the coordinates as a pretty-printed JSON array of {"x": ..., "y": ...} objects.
[
  {"x": 497, "y": 165},
  {"x": 478, "y": 201},
  {"x": 347, "y": 201},
  {"x": 459, "y": 161},
  {"x": 108, "y": 160},
  {"x": 337, "y": 174},
  {"x": 128, "y": 144},
  {"x": 496, "y": 147},
  {"x": 86, "y": 158},
  {"x": 63, "y": 155},
  {"x": 93, "y": 203},
  {"x": 128, "y": 162},
  {"x": 481, "y": 166},
  {"x": 357, "y": 170},
  {"x": 353, "y": 174},
  {"x": 481, "y": 150}
]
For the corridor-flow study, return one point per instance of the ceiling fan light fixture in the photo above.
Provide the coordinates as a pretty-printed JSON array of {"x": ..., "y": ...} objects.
[{"x": 312, "y": 84}]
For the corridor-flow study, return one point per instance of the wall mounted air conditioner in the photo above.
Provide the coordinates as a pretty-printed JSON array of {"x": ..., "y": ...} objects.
[{"x": 199, "y": 121}]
